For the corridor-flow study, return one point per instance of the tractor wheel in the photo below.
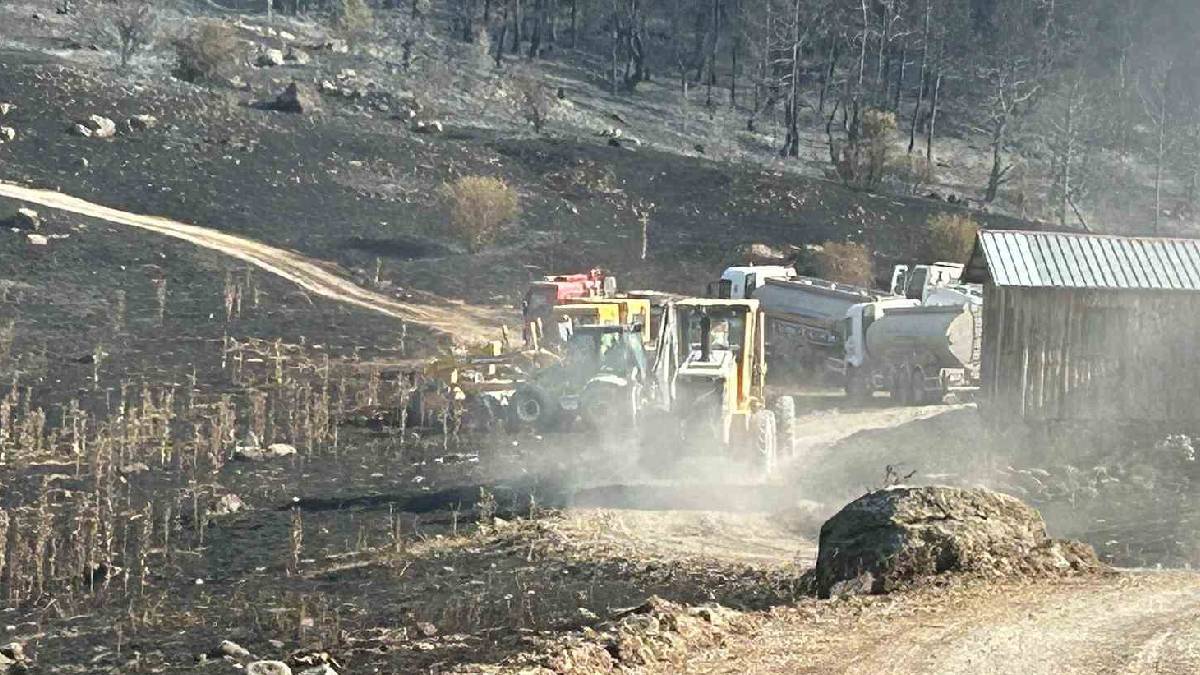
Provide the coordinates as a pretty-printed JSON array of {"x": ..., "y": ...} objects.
[
  {"x": 530, "y": 407},
  {"x": 766, "y": 448},
  {"x": 785, "y": 421},
  {"x": 610, "y": 408}
]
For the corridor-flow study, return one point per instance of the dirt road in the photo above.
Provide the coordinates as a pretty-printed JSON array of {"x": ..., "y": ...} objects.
[
  {"x": 466, "y": 322},
  {"x": 1143, "y": 622}
]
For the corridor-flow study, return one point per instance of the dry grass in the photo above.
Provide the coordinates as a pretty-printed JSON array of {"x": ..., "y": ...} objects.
[
  {"x": 844, "y": 262},
  {"x": 210, "y": 52},
  {"x": 951, "y": 237},
  {"x": 479, "y": 206}
]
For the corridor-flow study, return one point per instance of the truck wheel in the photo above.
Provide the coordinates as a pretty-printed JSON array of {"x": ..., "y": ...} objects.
[
  {"x": 901, "y": 387},
  {"x": 785, "y": 421},
  {"x": 916, "y": 382},
  {"x": 766, "y": 449},
  {"x": 530, "y": 407},
  {"x": 858, "y": 386}
]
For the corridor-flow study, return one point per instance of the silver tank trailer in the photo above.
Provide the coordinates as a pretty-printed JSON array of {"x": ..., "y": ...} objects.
[{"x": 945, "y": 337}]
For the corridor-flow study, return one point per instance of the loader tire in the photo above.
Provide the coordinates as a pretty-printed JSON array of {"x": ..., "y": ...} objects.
[
  {"x": 659, "y": 442},
  {"x": 531, "y": 407},
  {"x": 785, "y": 422},
  {"x": 766, "y": 442}
]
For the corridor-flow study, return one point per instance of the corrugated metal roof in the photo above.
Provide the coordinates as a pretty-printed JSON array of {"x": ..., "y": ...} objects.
[{"x": 1064, "y": 260}]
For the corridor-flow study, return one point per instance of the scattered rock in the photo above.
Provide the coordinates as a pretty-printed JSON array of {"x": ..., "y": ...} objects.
[
  {"x": 37, "y": 239},
  {"x": 14, "y": 651},
  {"x": 24, "y": 219},
  {"x": 427, "y": 629},
  {"x": 95, "y": 126},
  {"x": 295, "y": 99},
  {"x": 7, "y": 134},
  {"x": 899, "y": 536},
  {"x": 322, "y": 669},
  {"x": 336, "y": 46},
  {"x": 298, "y": 56},
  {"x": 268, "y": 668},
  {"x": 6, "y": 108},
  {"x": 284, "y": 35},
  {"x": 270, "y": 58},
  {"x": 427, "y": 127},
  {"x": 134, "y": 469},
  {"x": 256, "y": 454},
  {"x": 226, "y": 505},
  {"x": 141, "y": 123},
  {"x": 231, "y": 649}
]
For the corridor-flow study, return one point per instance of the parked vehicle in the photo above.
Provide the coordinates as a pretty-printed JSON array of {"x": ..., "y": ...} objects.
[
  {"x": 804, "y": 317},
  {"x": 917, "y": 353},
  {"x": 740, "y": 282}
]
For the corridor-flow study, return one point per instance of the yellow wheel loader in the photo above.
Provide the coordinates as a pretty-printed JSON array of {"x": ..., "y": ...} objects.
[{"x": 708, "y": 385}]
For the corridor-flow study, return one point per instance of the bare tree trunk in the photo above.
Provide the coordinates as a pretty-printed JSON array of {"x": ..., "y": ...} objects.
[
  {"x": 616, "y": 36},
  {"x": 1068, "y": 155},
  {"x": 829, "y": 73},
  {"x": 933, "y": 111},
  {"x": 791, "y": 144},
  {"x": 535, "y": 38},
  {"x": 574, "y": 24},
  {"x": 714, "y": 41},
  {"x": 1158, "y": 161},
  {"x": 734, "y": 47},
  {"x": 922, "y": 84},
  {"x": 996, "y": 175},
  {"x": 900, "y": 74},
  {"x": 518, "y": 27},
  {"x": 500, "y": 38}
]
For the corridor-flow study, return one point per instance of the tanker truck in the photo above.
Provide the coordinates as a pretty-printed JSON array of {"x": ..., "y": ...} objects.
[
  {"x": 918, "y": 353},
  {"x": 804, "y": 317}
]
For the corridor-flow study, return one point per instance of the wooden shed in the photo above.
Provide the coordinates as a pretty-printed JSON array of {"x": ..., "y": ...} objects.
[{"x": 1083, "y": 327}]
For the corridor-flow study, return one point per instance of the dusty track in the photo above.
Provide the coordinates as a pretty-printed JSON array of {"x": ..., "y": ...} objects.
[
  {"x": 467, "y": 322},
  {"x": 1137, "y": 623}
]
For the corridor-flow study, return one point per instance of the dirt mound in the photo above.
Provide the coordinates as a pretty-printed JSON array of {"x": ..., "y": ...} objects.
[
  {"x": 656, "y": 633},
  {"x": 899, "y": 536}
]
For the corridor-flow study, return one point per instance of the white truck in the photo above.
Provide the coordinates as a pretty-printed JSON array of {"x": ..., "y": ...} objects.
[
  {"x": 740, "y": 282},
  {"x": 918, "y": 353}
]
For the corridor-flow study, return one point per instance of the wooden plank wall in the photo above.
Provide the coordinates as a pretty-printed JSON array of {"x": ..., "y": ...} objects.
[{"x": 1060, "y": 354}]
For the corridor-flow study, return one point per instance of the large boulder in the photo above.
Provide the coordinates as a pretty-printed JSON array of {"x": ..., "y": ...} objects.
[
  {"x": 24, "y": 218},
  {"x": 269, "y": 58},
  {"x": 295, "y": 99},
  {"x": 899, "y": 536},
  {"x": 101, "y": 126}
]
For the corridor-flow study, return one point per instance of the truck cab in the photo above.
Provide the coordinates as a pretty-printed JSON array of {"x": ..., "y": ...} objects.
[
  {"x": 917, "y": 282},
  {"x": 858, "y": 319},
  {"x": 740, "y": 282}
]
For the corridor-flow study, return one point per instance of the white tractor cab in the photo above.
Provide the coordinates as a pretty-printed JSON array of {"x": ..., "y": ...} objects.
[{"x": 740, "y": 282}]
